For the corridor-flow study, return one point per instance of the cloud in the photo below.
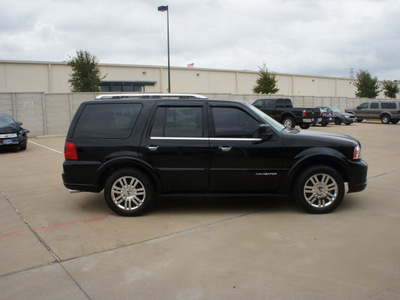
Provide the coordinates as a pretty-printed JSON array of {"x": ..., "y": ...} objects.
[{"x": 302, "y": 37}]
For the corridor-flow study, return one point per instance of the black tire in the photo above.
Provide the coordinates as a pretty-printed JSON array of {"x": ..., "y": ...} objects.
[
  {"x": 133, "y": 188},
  {"x": 324, "y": 124},
  {"x": 305, "y": 126},
  {"x": 338, "y": 121},
  {"x": 319, "y": 189},
  {"x": 288, "y": 122},
  {"x": 395, "y": 121},
  {"x": 359, "y": 120},
  {"x": 385, "y": 119}
]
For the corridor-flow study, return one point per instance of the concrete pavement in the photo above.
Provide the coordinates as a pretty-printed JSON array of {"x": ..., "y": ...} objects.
[{"x": 56, "y": 245}]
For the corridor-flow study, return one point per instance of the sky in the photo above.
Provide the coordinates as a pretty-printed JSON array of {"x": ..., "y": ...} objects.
[{"x": 305, "y": 37}]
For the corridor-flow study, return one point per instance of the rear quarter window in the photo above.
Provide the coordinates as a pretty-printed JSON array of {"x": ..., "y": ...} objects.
[
  {"x": 107, "y": 121},
  {"x": 388, "y": 105}
]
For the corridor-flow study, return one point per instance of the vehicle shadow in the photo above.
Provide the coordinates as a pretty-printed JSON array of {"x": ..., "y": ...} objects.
[{"x": 224, "y": 205}]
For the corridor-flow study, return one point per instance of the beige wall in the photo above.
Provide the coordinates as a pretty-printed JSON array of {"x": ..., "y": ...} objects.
[{"x": 52, "y": 77}]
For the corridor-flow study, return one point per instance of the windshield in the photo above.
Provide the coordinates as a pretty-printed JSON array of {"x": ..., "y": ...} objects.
[
  {"x": 5, "y": 120},
  {"x": 336, "y": 109},
  {"x": 267, "y": 119}
]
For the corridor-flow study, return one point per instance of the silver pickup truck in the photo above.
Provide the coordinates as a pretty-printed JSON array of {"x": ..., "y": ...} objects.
[{"x": 386, "y": 111}]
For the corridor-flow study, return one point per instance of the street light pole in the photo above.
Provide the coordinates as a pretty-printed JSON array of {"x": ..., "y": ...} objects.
[{"x": 162, "y": 9}]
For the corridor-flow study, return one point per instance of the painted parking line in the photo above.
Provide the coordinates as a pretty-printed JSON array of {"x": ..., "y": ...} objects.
[
  {"x": 43, "y": 146},
  {"x": 384, "y": 157},
  {"x": 11, "y": 234}
]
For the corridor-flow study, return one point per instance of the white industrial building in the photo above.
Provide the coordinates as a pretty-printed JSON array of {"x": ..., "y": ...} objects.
[{"x": 52, "y": 77}]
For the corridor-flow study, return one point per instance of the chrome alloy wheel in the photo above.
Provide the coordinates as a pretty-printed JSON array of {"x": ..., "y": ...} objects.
[
  {"x": 128, "y": 193},
  {"x": 288, "y": 123},
  {"x": 321, "y": 190}
]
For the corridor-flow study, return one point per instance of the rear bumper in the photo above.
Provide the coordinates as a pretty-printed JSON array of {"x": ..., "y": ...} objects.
[{"x": 81, "y": 176}]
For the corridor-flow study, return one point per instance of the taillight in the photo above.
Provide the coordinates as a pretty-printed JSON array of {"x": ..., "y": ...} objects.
[
  {"x": 304, "y": 113},
  {"x": 324, "y": 114},
  {"x": 70, "y": 151}
]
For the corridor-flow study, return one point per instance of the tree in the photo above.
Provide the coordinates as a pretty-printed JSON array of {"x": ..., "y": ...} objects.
[
  {"x": 85, "y": 75},
  {"x": 391, "y": 88},
  {"x": 367, "y": 87},
  {"x": 266, "y": 83}
]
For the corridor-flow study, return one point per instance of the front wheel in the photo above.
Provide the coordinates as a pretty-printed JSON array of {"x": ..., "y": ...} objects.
[
  {"x": 338, "y": 121},
  {"x": 129, "y": 192},
  {"x": 319, "y": 189}
]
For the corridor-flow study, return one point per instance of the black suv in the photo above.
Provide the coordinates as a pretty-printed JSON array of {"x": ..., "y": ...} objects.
[{"x": 138, "y": 149}]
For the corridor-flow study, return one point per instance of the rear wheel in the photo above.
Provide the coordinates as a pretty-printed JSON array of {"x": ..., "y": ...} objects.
[
  {"x": 385, "y": 119},
  {"x": 305, "y": 126},
  {"x": 319, "y": 189},
  {"x": 324, "y": 124},
  {"x": 129, "y": 192},
  {"x": 288, "y": 122}
]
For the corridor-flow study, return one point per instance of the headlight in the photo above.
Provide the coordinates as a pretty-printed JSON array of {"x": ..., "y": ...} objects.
[{"x": 357, "y": 152}]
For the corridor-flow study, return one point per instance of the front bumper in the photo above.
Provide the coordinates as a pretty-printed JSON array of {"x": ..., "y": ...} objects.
[{"x": 357, "y": 176}]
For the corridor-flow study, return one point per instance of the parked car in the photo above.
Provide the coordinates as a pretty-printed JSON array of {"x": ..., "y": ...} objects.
[
  {"x": 282, "y": 110},
  {"x": 386, "y": 111},
  {"x": 137, "y": 149},
  {"x": 12, "y": 135},
  {"x": 340, "y": 116},
  {"x": 326, "y": 117}
]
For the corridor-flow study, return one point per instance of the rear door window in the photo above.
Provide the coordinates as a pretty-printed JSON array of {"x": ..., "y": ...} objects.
[
  {"x": 374, "y": 105},
  {"x": 107, "y": 121},
  {"x": 178, "y": 122}
]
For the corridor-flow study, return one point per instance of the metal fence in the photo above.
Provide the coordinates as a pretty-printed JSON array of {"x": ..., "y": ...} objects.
[{"x": 51, "y": 114}]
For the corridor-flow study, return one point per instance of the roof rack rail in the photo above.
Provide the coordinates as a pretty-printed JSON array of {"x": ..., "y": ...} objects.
[{"x": 150, "y": 96}]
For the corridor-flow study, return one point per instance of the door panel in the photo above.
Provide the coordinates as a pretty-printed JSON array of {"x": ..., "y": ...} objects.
[
  {"x": 177, "y": 148},
  {"x": 240, "y": 161}
]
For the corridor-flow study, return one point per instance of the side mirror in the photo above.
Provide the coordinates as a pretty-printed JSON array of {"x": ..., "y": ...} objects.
[{"x": 264, "y": 131}]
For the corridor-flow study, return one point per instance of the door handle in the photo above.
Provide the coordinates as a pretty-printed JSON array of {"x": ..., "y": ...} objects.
[
  {"x": 152, "y": 148},
  {"x": 225, "y": 148}
]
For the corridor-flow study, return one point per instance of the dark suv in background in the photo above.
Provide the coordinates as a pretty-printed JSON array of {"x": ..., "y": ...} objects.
[
  {"x": 386, "y": 111},
  {"x": 137, "y": 149}
]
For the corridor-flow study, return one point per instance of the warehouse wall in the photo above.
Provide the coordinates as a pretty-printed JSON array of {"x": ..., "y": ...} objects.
[{"x": 51, "y": 113}]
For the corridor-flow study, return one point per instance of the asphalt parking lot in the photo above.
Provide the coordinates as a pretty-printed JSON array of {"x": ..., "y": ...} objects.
[{"x": 57, "y": 245}]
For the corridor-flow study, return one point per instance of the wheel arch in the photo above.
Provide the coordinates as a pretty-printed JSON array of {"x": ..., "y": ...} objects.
[
  {"x": 288, "y": 114},
  {"x": 385, "y": 113},
  {"x": 113, "y": 165},
  {"x": 331, "y": 158}
]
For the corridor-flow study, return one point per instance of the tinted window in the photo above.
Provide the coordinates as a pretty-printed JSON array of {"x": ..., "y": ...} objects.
[
  {"x": 363, "y": 105},
  {"x": 107, "y": 121},
  {"x": 233, "y": 122},
  {"x": 388, "y": 105},
  {"x": 178, "y": 122},
  {"x": 258, "y": 103},
  {"x": 374, "y": 105},
  {"x": 269, "y": 103}
]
